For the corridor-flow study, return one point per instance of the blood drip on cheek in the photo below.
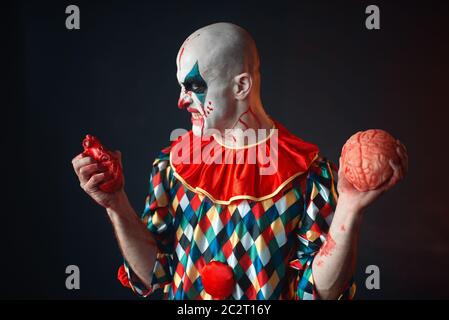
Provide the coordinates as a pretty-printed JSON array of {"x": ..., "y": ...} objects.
[
  {"x": 183, "y": 47},
  {"x": 202, "y": 126},
  {"x": 209, "y": 108},
  {"x": 203, "y": 119}
]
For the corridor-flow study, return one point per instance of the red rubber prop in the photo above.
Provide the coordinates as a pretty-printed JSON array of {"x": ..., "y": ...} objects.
[
  {"x": 365, "y": 158},
  {"x": 218, "y": 280},
  {"x": 93, "y": 148}
]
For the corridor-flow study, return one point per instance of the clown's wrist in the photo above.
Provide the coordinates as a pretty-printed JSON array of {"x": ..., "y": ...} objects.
[
  {"x": 120, "y": 205},
  {"x": 348, "y": 206},
  {"x": 346, "y": 220}
]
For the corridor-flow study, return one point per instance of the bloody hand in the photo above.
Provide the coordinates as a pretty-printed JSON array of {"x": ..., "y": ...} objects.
[{"x": 93, "y": 148}]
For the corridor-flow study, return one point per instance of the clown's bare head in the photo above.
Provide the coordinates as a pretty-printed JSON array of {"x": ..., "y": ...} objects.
[{"x": 218, "y": 71}]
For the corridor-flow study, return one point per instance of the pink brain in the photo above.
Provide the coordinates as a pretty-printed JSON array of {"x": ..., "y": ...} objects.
[{"x": 365, "y": 158}]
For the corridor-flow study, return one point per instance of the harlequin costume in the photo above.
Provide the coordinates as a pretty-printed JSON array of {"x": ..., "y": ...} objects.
[{"x": 266, "y": 228}]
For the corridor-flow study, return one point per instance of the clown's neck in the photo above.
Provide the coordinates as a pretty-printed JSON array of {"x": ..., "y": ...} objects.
[{"x": 251, "y": 127}]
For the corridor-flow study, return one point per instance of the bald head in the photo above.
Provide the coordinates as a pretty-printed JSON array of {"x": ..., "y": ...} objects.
[
  {"x": 218, "y": 71},
  {"x": 222, "y": 50}
]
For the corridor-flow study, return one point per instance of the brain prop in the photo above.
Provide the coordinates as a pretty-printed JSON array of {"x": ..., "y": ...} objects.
[
  {"x": 93, "y": 148},
  {"x": 365, "y": 158}
]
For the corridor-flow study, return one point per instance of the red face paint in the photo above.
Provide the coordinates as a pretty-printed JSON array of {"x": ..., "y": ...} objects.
[
  {"x": 209, "y": 108},
  {"x": 183, "y": 46},
  {"x": 197, "y": 122},
  {"x": 202, "y": 108},
  {"x": 183, "y": 103},
  {"x": 180, "y": 56}
]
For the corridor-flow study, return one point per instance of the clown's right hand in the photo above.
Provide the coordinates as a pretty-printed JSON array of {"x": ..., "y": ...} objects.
[{"x": 91, "y": 175}]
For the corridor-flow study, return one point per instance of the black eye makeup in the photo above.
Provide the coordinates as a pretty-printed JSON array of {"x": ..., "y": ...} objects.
[
  {"x": 194, "y": 82},
  {"x": 195, "y": 85}
]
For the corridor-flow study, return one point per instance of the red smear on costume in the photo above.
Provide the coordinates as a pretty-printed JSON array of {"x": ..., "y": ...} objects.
[
  {"x": 93, "y": 148},
  {"x": 342, "y": 227}
]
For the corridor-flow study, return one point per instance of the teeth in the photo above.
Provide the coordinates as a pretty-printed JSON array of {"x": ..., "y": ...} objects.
[{"x": 196, "y": 115}]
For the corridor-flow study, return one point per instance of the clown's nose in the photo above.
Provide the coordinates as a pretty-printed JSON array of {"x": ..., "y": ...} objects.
[{"x": 183, "y": 103}]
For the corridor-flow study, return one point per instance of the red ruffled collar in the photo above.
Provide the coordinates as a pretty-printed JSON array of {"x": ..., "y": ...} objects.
[{"x": 229, "y": 180}]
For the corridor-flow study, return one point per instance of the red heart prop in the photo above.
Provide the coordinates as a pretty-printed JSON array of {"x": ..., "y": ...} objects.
[{"x": 93, "y": 148}]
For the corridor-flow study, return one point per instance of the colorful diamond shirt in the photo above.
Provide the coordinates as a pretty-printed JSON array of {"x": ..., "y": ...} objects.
[{"x": 269, "y": 242}]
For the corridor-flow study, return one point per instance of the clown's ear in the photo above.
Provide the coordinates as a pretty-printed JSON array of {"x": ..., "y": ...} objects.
[{"x": 243, "y": 84}]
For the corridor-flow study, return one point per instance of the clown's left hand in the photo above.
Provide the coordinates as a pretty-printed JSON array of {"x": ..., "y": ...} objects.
[{"x": 355, "y": 200}]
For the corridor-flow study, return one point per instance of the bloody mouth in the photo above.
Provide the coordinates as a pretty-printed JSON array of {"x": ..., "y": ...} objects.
[{"x": 196, "y": 118}]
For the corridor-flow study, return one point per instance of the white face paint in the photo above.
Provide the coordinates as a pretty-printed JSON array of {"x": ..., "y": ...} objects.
[{"x": 209, "y": 100}]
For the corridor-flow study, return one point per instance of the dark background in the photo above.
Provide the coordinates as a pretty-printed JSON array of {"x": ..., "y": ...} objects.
[{"x": 324, "y": 76}]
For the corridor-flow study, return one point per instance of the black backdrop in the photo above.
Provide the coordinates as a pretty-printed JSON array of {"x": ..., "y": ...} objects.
[{"x": 324, "y": 75}]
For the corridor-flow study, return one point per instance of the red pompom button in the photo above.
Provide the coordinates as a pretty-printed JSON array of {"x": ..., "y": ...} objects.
[
  {"x": 218, "y": 280},
  {"x": 123, "y": 277}
]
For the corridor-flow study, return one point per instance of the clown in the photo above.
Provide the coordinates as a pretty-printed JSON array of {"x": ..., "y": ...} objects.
[{"x": 224, "y": 229}]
